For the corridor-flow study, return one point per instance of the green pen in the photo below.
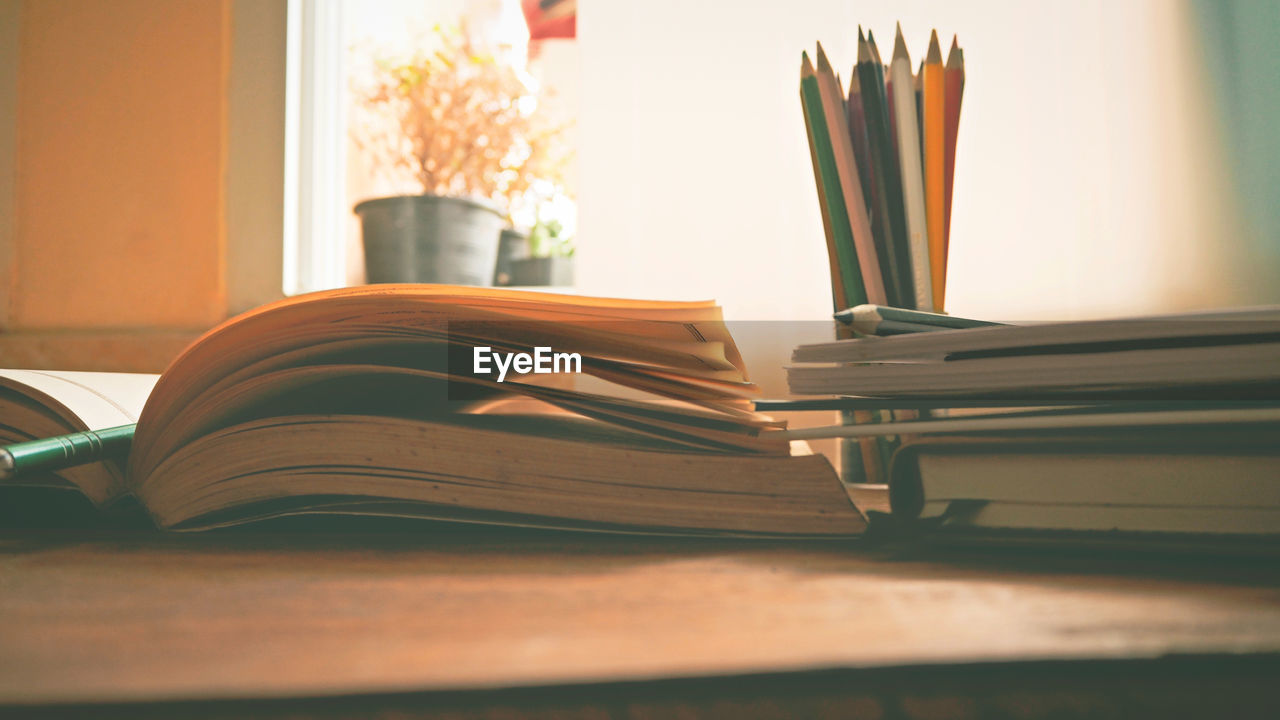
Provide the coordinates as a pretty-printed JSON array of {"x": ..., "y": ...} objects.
[
  {"x": 64, "y": 451},
  {"x": 880, "y": 320}
]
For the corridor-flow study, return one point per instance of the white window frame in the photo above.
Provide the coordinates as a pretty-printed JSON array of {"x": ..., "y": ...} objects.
[{"x": 315, "y": 197}]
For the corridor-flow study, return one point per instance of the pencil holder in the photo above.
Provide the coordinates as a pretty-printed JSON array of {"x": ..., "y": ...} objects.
[
  {"x": 852, "y": 468},
  {"x": 866, "y": 460}
]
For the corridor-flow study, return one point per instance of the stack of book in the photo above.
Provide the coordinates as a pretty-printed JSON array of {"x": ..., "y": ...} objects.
[{"x": 1155, "y": 425}]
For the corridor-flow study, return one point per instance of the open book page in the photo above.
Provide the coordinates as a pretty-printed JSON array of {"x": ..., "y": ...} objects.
[
  {"x": 43, "y": 403},
  {"x": 87, "y": 400}
]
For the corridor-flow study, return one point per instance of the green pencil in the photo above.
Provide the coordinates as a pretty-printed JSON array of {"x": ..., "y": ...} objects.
[
  {"x": 879, "y": 320},
  {"x": 850, "y": 274},
  {"x": 64, "y": 451}
]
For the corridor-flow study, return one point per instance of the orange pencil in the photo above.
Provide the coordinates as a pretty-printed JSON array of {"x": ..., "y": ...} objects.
[
  {"x": 955, "y": 93},
  {"x": 935, "y": 166}
]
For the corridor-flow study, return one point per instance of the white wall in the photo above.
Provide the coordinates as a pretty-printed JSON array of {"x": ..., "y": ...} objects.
[{"x": 1088, "y": 179}]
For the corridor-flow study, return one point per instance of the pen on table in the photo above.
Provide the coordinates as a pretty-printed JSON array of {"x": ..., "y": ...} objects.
[
  {"x": 880, "y": 320},
  {"x": 64, "y": 451}
]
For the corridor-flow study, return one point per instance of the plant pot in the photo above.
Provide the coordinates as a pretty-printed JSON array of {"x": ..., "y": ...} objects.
[
  {"x": 512, "y": 246},
  {"x": 542, "y": 271},
  {"x": 429, "y": 239}
]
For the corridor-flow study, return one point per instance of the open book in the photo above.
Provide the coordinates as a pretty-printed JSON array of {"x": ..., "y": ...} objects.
[{"x": 415, "y": 401}]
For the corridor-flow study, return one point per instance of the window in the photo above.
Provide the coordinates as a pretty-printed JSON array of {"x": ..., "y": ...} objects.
[{"x": 334, "y": 48}]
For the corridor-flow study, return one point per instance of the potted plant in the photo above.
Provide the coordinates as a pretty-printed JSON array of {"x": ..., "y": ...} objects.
[
  {"x": 550, "y": 258},
  {"x": 457, "y": 129}
]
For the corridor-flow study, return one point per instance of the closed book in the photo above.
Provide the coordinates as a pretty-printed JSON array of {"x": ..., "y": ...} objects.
[{"x": 1187, "y": 480}]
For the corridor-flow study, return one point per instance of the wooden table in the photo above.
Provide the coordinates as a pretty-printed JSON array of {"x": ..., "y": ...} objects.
[{"x": 432, "y": 622}]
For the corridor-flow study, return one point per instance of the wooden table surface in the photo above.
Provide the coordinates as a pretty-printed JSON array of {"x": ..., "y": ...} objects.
[{"x": 125, "y": 615}]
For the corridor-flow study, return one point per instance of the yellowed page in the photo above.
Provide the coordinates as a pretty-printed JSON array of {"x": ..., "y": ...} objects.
[
  {"x": 57, "y": 402},
  {"x": 687, "y": 339},
  {"x": 93, "y": 400}
]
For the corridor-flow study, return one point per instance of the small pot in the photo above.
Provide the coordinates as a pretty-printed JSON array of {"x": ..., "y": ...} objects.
[
  {"x": 512, "y": 246},
  {"x": 538, "y": 271},
  {"x": 429, "y": 239}
]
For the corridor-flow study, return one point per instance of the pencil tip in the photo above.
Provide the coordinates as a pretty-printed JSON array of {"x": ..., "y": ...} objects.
[
  {"x": 955, "y": 58},
  {"x": 824, "y": 65},
  {"x": 900, "y": 47},
  {"x": 935, "y": 53},
  {"x": 875, "y": 51},
  {"x": 861, "y": 38}
]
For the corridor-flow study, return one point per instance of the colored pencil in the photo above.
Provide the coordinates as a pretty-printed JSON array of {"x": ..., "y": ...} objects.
[
  {"x": 919, "y": 80},
  {"x": 913, "y": 192},
  {"x": 869, "y": 320},
  {"x": 870, "y": 186},
  {"x": 935, "y": 167},
  {"x": 835, "y": 214},
  {"x": 863, "y": 250},
  {"x": 884, "y": 170},
  {"x": 955, "y": 93},
  {"x": 837, "y": 285},
  {"x": 890, "y": 108},
  {"x": 858, "y": 136},
  {"x": 891, "y": 150}
]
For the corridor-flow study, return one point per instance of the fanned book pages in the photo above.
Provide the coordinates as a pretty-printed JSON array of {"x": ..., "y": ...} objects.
[{"x": 372, "y": 401}]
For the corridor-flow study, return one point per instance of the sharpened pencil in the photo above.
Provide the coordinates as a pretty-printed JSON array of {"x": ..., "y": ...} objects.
[
  {"x": 884, "y": 170},
  {"x": 935, "y": 168},
  {"x": 835, "y": 214},
  {"x": 869, "y": 320},
  {"x": 870, "y": 185},
  {"x": 863, "y": 251},
  {"x": 858, "y": 136},
  {"x": 919, "y": 80},
  {"x": 890, "y": 108},
  {"x": 913, "y": 193},
  {"x": 955, "y": 94},
  {"x": 837, "y": 284}
]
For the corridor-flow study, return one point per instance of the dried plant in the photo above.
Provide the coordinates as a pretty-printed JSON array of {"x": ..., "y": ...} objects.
[{"x": 459, "y": 122}]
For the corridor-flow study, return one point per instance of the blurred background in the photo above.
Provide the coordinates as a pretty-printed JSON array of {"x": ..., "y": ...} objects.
[{"x": 165, "y": 164}]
